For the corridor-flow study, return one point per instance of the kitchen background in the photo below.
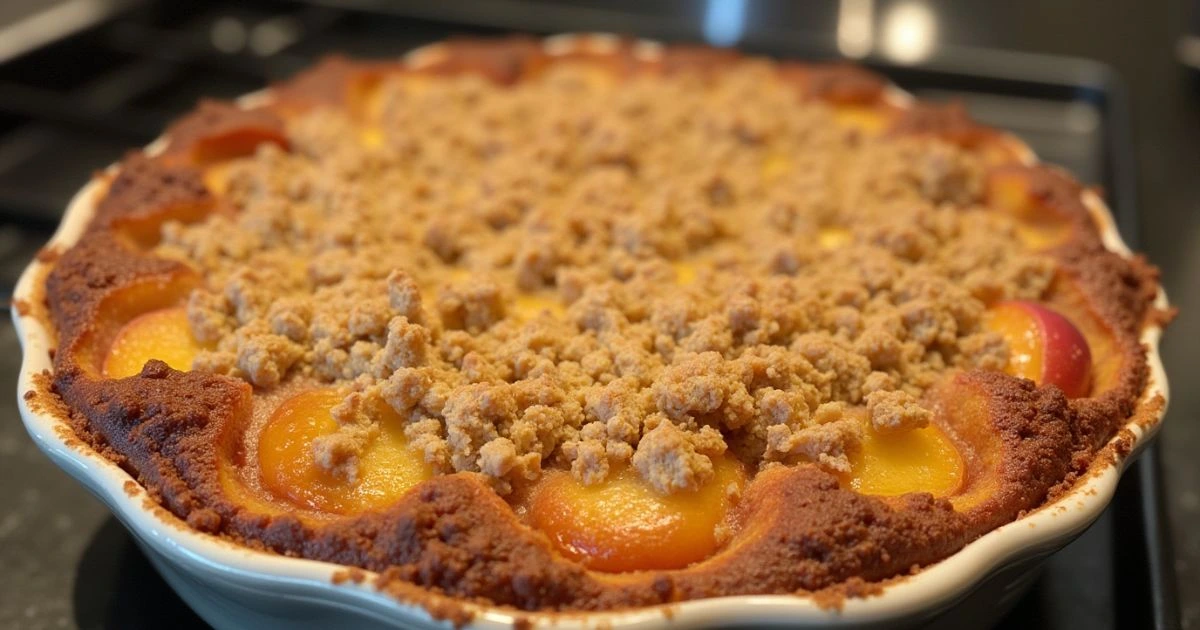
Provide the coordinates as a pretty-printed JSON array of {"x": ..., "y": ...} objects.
[{"x": 1105, "y": 87}]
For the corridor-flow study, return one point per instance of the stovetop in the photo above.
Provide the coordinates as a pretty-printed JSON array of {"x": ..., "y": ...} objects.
[{"x": 72, "y": 107}]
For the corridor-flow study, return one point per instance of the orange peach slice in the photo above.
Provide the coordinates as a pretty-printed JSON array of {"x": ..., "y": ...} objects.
[
  {"x": 1044, "y": 346},
  {"x": 371, "y": 137},
  {"x": 921, "y": 460},
  {"x": 161, "y": 291},
  {"x": 869, "y": 120},
  {"x": 364, "y": 99},
  {"x": 387, "y": 467},
  {"x": 1108, "y": 360},
  {"x": 622, "y": 524},
  {"x": 144, "y": 228},
  {"x": 775, "y": 166},
  {"x": 963, "y": 412},
  {"x": 163, "y": 334},
  {"x": 216, "y": 178},
  {"x": 530, "y": 305},
  {"x": 833, "y": 237},
  {"x": 1038, "y": 225},
  {"x": 685, "y": 273},
  {"x": 234, "y": 143}
]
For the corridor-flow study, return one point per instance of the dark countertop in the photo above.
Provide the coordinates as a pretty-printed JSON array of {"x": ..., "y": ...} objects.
[{"x": 1138, "y": 39}]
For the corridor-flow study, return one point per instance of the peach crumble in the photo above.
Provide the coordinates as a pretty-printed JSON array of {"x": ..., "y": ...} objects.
[{"x": 507, "y": 320}]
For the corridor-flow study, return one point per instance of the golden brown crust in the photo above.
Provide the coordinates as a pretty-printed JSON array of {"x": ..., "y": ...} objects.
[
  {"x": 335, "y": 81},
  {"x": 839, "y": 83},
  {"x": 88, "y": 272},
  {"x": 218, "y": 129},
  {"x": 951, "y": 123},
  {"x": 799, "y": 530},
  {"x": 145, "y": 190}
]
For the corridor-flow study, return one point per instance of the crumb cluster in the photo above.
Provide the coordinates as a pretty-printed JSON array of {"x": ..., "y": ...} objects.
[{"x": 588, "y": 274}]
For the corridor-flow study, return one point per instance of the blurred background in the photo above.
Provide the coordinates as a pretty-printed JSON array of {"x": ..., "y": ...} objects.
[{"x": 1105, "y": 87}]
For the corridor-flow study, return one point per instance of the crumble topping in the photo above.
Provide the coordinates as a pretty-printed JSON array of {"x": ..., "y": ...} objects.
[{"x": 579, "y": 274}]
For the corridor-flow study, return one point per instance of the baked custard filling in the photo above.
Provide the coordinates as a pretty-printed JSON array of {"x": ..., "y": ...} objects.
[{"x": 638, "y": 309}]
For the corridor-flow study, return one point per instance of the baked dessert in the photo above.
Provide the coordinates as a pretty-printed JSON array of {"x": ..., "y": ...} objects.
[{"x": 592, "y": 327}]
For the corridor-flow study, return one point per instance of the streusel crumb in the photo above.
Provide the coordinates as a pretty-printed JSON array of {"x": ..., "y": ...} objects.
[{"x": 574, "y": 274}]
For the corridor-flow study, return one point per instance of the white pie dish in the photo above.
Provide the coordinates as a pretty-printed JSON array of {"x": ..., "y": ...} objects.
[{"x": 233, "y": 587}]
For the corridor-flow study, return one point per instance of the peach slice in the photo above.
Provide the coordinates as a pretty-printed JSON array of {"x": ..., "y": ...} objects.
[
  {"x": 622, "y": 524},
  {"x": 216, "y": 178},
  {"x": 963, "y": 411},
  {"x": 163, "y": 334},
  {"x": 530, "y": 305},
  {"x": 833, "y": 237},
  {"x": 371, "y": 137},
  {"x": 1044, "y": 346},
  {"x": 364, "y": 98},
  {"x": 921, "y": 460},
  {"x": 234, "y": 143},
  {"x": 870, "y": 120},
  {"x": 216, "y": 131},
  {"x": 387, "y": 467},
  {"x": 775, "y": 166},
  {"x": 1038, "y": 225},
  {"x": 685, "y": 273},
  {"x": 149, "y": 191},
  {"x": 146, "y": 231},
  {"x": 1108, "y": 361}
]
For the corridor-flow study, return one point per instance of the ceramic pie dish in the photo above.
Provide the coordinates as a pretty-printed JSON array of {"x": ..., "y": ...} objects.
[{"x": 233, "y": 585}]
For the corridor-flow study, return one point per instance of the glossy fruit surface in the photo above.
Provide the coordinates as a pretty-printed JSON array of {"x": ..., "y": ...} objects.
[
  {"x": 1044, "y": 346},
  {"x": 386, "y": 468},
  {"x": 622, "y": 524},
  {"x": 163, "y": 334}
]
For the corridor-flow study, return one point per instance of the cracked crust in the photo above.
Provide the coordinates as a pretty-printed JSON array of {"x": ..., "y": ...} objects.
[{"x": 796, "y": 528}]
